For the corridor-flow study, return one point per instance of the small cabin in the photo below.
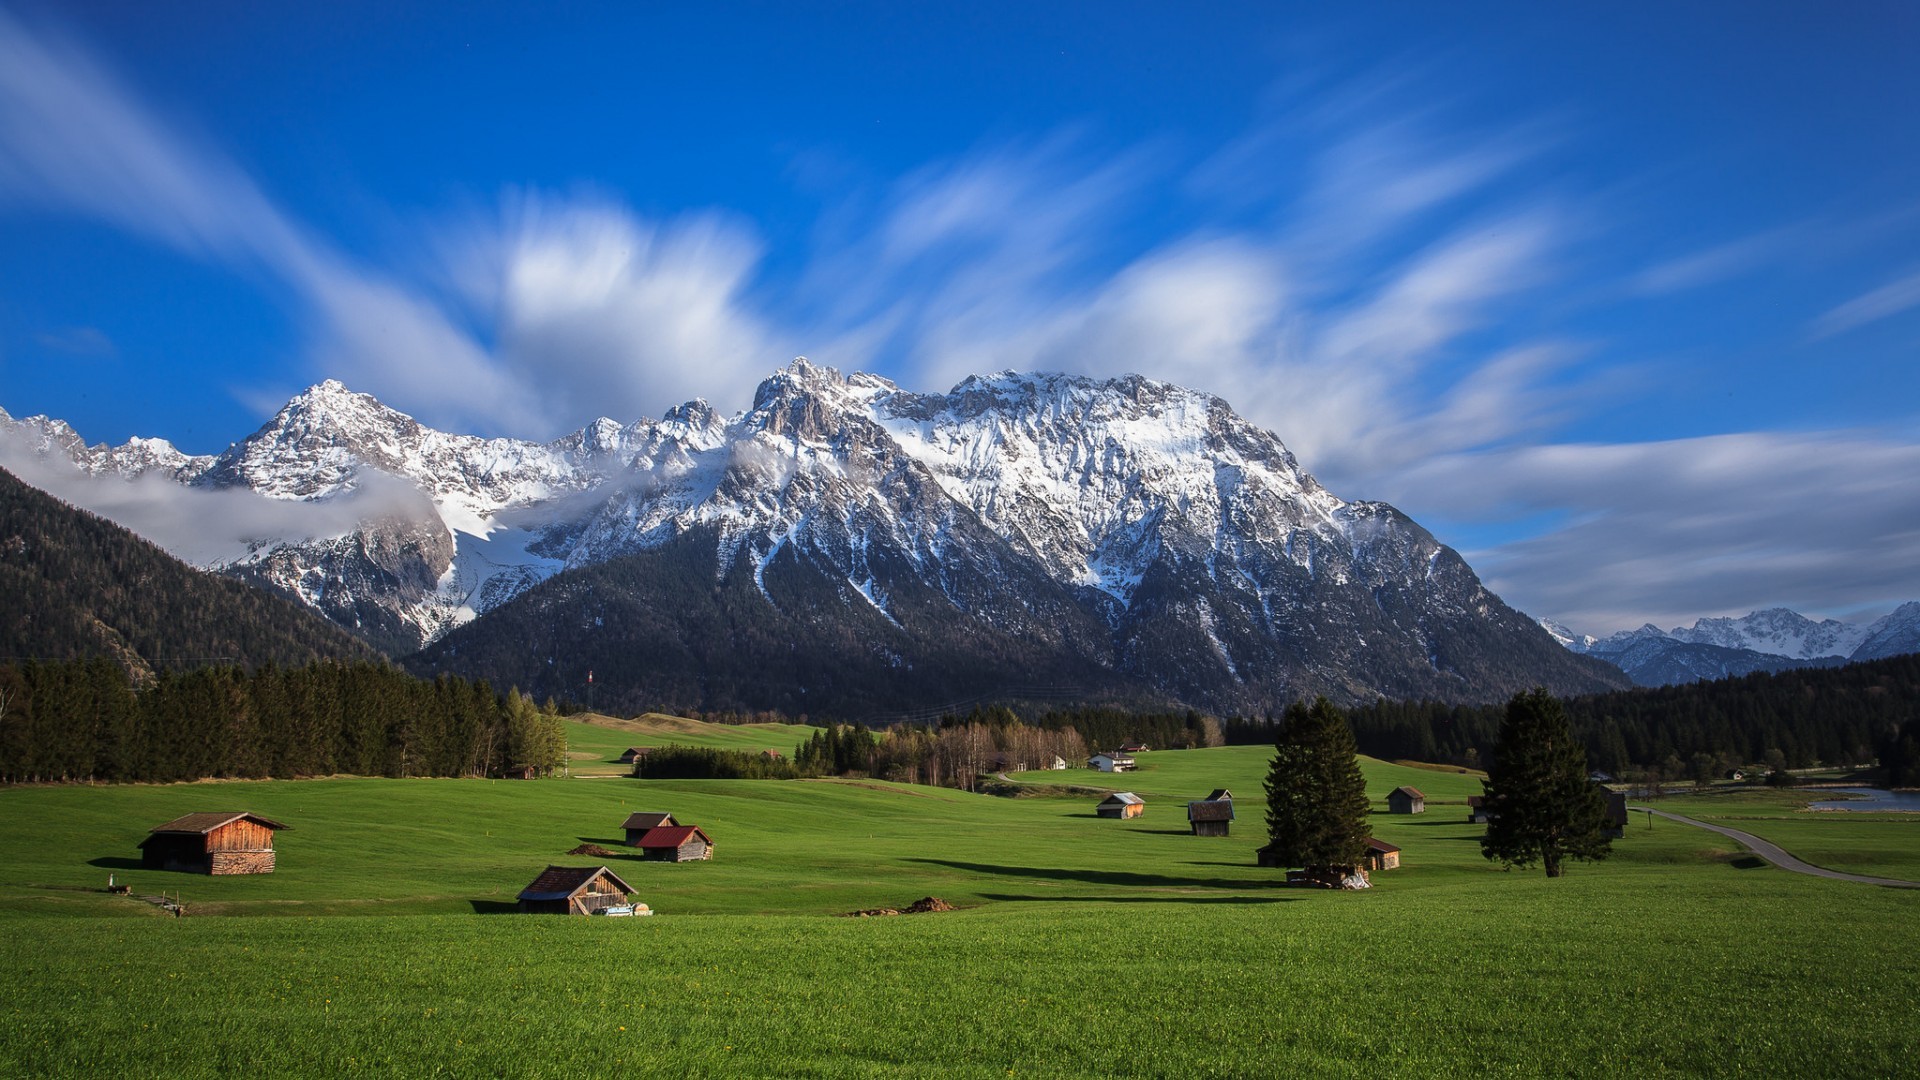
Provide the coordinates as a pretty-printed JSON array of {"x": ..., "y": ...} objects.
[
  {"x": 634, "y": 754},
  {"x": 212, "y": 843},
  {"x": 1058, "y": 763},
  {"x": 1616, "y": 814},
  {"x": 1114, "y": 762},
  {"x": 1382, "y": 856},
  {"x": 1406, "y": 800},
  {"x": 1135, "y": 747},
  {"x": 1477, "y": 810},
  {"x": 575, "y": 890},
  {"x": 675, "y": 843},
  {"x": 1121, "y": 804},
  {"x": 1210, "y": 817},
  {"x": 639, "y": 823},
  {"x": 1220, "y": 794},
  {"x": 519, "y": 772}
]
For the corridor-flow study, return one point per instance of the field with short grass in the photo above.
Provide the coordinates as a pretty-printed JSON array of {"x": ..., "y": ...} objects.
[
  {"x": 1085, "y": 946},
  {"x": 1876, "y": 844},
  {"x": 596, "y": 743}
]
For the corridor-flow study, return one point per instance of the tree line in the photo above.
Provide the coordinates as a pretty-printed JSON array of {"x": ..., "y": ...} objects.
[{"x": 87, "y": 720}]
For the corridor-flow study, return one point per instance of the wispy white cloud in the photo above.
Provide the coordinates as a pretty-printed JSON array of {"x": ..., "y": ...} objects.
[
  {"x": 1671, "y": 530},
  {"x": 1885, "y": 302},
  {"x": 86, "y": 342}
]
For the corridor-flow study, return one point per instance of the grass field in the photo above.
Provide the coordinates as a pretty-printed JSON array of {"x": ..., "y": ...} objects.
[
  {"x": 1085, "y": 946},
  {"x": 595, "y": 745},
  {"x": 1876, "y": 844}
]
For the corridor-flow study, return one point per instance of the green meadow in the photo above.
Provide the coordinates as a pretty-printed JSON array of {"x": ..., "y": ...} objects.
[
  {"x": 594, "y": 749},
  {"x": 385, "y": 944}
]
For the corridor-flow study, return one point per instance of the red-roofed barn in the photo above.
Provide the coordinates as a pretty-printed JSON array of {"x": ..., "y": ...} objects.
[{"x": 676, "y": 843}]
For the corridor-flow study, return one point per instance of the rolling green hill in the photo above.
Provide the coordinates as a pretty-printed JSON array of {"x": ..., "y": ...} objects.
[{"x": 1084, "y": 946}]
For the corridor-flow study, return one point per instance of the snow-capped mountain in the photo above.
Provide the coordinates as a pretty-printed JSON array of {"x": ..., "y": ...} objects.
[
  {"x": 1125, "y": 530},
  {"x": 1771, "y": 640}
]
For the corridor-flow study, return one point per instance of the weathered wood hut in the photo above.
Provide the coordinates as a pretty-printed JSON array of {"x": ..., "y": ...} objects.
[
  {"x": 1134, "y": 747},
  {"x": 575, "y": 890},
  {"x": 1616, "y": 814},
  {"x": 676, "y": 843},
  {"x": 1210, "y": 817},
  {"x": 212, "y": 843},
  {"x": 1477, "y": 810},
  {"x": 1220, "y": 794},
  {"x": 641, "y": 822},
  {"x": 1382, "y": 855},
  {"x": 1406, "y": 800},
  {"x": 1121, "y": 804},
  {"x": 634, "y": 753}
]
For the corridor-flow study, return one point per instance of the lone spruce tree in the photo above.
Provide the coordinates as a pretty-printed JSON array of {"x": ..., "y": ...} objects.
[
  {"x": 1316, "y": 796},
  {"x": 1540, "y": 805}
]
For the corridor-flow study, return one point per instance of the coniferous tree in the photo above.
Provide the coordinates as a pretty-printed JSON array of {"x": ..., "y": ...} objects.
[
  {"x": 1540, "y": 805},
  {"x": 1316, "y": 796}
]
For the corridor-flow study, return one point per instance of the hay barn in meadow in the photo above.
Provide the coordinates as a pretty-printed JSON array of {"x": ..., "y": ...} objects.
[
  {"x": 1382, "y": 856},
  {"x": 1477, "y": 810},
  {"x": 1406, "y": 800},
  {"x": 1211, "y": 816},
  {"x": 640, "y": 823},
  {"x": 1121, "y": 804},
  {"x": 212, "y": 843},
  {"x": 676, "y": 843},
  {"x": 575, "y": 890},
  {"x": 633, "y": 754}
]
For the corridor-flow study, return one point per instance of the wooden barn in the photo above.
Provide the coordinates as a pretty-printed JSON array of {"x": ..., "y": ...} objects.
[
  {"x": 1477, "y": 810},
  {"x": 1213, "y": 815},
  {"x": 575, "y": 890},
  {"x": 639, "y": 823},
  {"x": 1406, "y": 800},
  {"x": 1382, "y": 855},
  {"x": 1121, "y": 804},
  {"x": 634, "y": 754},
  {"x": 676, "y": 843},
  {"x": 212, "y": 843},
  {"x": 1616, "y": 814}
]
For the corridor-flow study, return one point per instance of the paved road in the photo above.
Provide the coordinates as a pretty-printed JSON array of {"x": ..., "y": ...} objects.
[{"x": 1771, "y": 852}]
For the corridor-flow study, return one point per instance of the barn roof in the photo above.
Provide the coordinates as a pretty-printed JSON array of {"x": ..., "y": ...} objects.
[
  {"x": 201, "y": 824},
  {"x": 1380, "y": 846},
  {"x": 560, "y": 882},
  {"x": 1220, "y": 794},
  {"x": 1409, "y": 792},
  {"x": 1476, "y": 800},
  {"x": 645, "y": 819},
  {"x": 1124, "y": 798},
  {"x": 1210, "y": 810},
  {"x": 672, "y": 836}
]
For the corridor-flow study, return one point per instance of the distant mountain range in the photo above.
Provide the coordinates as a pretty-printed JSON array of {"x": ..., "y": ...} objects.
[
  {"x": 1772, "y": 640},
  {"x": 845, "y": 546}
]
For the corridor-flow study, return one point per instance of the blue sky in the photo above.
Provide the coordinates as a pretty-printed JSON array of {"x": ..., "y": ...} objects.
[{"x": 1621, "y": 302}]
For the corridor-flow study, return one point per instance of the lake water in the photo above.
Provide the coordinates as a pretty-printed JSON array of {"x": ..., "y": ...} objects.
[{"x": 1873, "y": 799}]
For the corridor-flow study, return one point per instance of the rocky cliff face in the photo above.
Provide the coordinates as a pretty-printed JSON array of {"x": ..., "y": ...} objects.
[{"x": 1019, "y": 529}]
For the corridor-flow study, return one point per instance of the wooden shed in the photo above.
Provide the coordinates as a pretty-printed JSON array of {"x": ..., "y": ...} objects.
[
  {"x": 1382, "y": 855},
  {"x": 1406, "y": 800},
  {"x": 633, "y": 754},
  {"x": 575, "y": 890},
  {"x": 1210, "y": 817},
  {"x": 212, "y": 843},
  {"x": 641, "y": 822},
  {"x": 1477, "y": 810},
  {"x": 1121, "y": 804},
  {"x": 676, "y": 843},
  {"x": 1616, "y": 813}
]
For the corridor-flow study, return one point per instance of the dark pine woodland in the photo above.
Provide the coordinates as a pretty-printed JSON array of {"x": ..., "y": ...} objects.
[{"x": 74, "y": 585}]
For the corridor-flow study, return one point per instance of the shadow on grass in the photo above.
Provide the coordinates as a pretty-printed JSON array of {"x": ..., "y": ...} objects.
[
  {"x": 495, "y": 907},
  {"x": 1749, "y": 862},
  {"x": 115, "y": 862},
  {"x": 1104, "y": 877},
  {"x": 1144, "y": 899},
  {"x": 1451, "y": 823}
]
